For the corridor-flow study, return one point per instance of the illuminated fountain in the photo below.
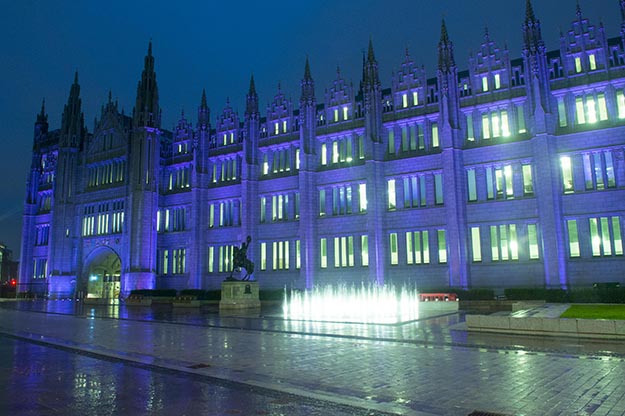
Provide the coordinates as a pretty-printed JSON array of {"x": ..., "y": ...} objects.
[{"x": 362, "y": 304}]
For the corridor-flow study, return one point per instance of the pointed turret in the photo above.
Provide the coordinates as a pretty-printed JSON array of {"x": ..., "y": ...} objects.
[
  {"x": 532, "y": 36},
  {"x": 371, "y": 78},
  {"x": 251, "y": 102},
  {"x": 72, "y": 123},
  {"x": 146, "y": 112},
  {"x": 203, "y": 112},
  {"x": 445, "y": 51},
  {"x": 41, "y": 125},
  {"x": 308, "y": 85},
  {"x": 578, "y": 11}
]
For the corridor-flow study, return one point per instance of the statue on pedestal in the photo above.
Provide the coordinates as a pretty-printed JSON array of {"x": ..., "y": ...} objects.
[{"x": 240, "y": 260}]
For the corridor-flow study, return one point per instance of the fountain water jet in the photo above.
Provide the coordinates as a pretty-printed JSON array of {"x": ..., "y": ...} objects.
[{"x": 362, "y": 304}]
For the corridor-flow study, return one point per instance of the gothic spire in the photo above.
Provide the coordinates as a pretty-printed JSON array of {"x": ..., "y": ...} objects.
[
  {"x": 42, "y": 117},
  {"x": 370, "y": 55},
  {"x": 445, "y": 51},
  {"x": 146, "y": 113},
  {"x": 72, "y": 123},
  {"x": 203, "y": 113},
  {"x": 578, "y": 11},
  {"x": 251, "y": 102},
  {"x": 371, "y": 77},
  {"x": 308, "y": 85},
  {"x": 532, "y": 37}
]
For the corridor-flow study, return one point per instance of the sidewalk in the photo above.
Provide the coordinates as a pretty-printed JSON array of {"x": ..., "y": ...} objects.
[{"x": 385, "y": 376}]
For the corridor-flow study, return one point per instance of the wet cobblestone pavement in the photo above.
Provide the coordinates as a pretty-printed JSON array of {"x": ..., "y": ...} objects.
[{"x": 432, "y": 366}]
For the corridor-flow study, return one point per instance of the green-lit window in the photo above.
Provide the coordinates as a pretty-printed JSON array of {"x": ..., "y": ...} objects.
[
  {"x": 323, "y": 252},
  {"x": 532, "y": 239},
  {"x": 616, "y": 233},
  {"x": 592, "y": 62},
  {"x": 322, "y": 202},
  {"x": 579, "y": 110},
  {"x": 435, "y": 141},
  {"x": 337, "y": 251},
  {"x": 417, "y": 247},
  {"x": 476, "y": 245},
  {"x": 405, "y": 145},
  {"x": 485, "y": 126},
  {"x": 578, "y": 64},
  {"x": 263, "y": 256},
  {"x": 471, "y": 185},
  {"x": 350, "y": 251},
  {"x": 595, "y": 238},
  {"x": 335, "y": 152},
  {"x": 364, "y": 250},
  {"x": 602, "y": 107},
  {"x": 404, "y": 100},
  {"x": 507, "y": 173},
  {"x": 567, "y": 174},
  {"x": 505, "y": 125},
  {"x": 494, "y": 243},
  {"x": 528, "y": 184},
  {"x": 490, "y": 187},
  {"x": 393, "y": 249},
  {"x": 324, "y": 154},
  {"x": 390, "y": 190},
  {"x": 391, "y": 141},
  {"x": 362, "y": 197},
  {"x": 297, "y": 159},
  {"x": 609, "y": 169},
  {"x": 415, "y": 98},
  {"x": 571, "y": 226},
  {"x": 211, "y": 259},
  {"x": 298, "y": 256},
  {"x": 413, "y": 138},
  {"x": 521, "y": 118},
  {"x": 470, "y": 134},
  {"x": 497, "y": 81},
  {"x": 263, "y": 209},
  {"x": 361, "y": 148},
  {"x": 620, "y": 103},
  {"x": 591, "y": 109},
  {"x": 561, "y": 112},
  {"x": 438, "y": 188},
  {"x": 484, "y": 83},
  {"x": 345, "y": 113},
  {"x": 336, "y": 115},
  {"x": 442, "y": 246}
]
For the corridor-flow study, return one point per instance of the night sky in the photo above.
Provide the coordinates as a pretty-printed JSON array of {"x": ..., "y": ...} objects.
[{"x": 217, "y": 45}]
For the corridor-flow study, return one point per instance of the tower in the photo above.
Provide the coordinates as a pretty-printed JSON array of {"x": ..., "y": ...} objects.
[
  {"x": 307, "y": 184},
  {"x": 139, "y": 264},
  {"x": 62, "y": 251}
]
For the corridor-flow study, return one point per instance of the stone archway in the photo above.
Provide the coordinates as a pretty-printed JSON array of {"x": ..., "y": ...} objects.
[{"x": 101, "y": 277}]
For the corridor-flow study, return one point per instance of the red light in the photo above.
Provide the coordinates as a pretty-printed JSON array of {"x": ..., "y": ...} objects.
[{"x": 13, "y": 282}]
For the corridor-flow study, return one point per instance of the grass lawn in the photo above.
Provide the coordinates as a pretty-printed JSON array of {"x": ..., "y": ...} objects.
[{"x": 595, "y": 312}]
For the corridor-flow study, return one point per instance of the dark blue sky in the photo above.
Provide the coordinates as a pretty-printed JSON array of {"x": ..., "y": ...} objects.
[{"x": 217, "y": 45}]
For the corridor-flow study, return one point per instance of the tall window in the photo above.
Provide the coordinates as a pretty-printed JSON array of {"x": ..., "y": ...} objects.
[
  {"x": 571, "y": 226},
  {"x": 442, "y": 246},
  {"x": 344, "y": 251},
  {"x": 263, "y": 256},
  {"x": 364, "y": 250},
  {"x": 476, "y": 245},
  {"x": 362, "y": 197},
  {"x": 323, "y": 252},
  {"x": 471, "y": 185},
  {"x": 528, "y": 185},
  {"x": 503, "y": 241},
  {"x": 280, "y": 255},
  {"x": 392, "y": 198},
  {"x": 179, "y": 263},
  {"x": 567, "y": 174},
  {"x": 532, "y": 239},
  {"x": 417, "y": 247},
  {"x": 561, "y": 112},
  {"x": 599, "y": 170},
  {"x": 435, "y": 141},
  {"x": 322, "y": 202},
  {"x": 393, "y": 249},
  {"x": 605, "y": 236},
  {"x": 412, "y": 192},
  {"x": 438, "y": 188}
]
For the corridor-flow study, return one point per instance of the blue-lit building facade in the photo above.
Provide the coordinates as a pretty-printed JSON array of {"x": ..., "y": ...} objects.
[{"x": 509, "y": 173}]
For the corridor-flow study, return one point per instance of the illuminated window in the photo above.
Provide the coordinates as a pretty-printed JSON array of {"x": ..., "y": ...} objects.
[
  {"x": 296, "y": 159},
  {"x": 579, "y": 110},
  {"x": 435, "y": 142},
  {"x": 620, "y": 103},
  {"x": 476, "y": 245},
  {"x": 415, "y": 98},
  {"x": 343, "y": 251},
  {"x": 484, "y": 83},
  {"x": 361, "y": 148},
  {"x": 276, "y": 129},
  {"x": 602, "y": 106},
  {"x": 280, "y": 255},
  {"x": 412, "y": 192},
  {"x": 345, "y": 113},
  {"x": 322, "y": 202},
  {"x": 605, "y": 236},
  {"x": 471, "y": 185},
  {"x": 336, "y": 114},
  {"x": 528, "y": 185},
  {"x": 592, "y": 62},
  {"x": 390, "y": 190},
  {"x": 571, "y": 226},
  {"x": 567, "y": 174},
  {"x": 362, "y": 197},
  {"x": 211, "y": 259},
  {"x": 497, "y": 81},
  {"x": 521, "y": 118},
  {"x": 364, "y": 250},
  {"x": 284, "y": 126},
  {"x": 417, "y": 247},
  {"x": 335, "y": 152},
  {"x": 578, "y": 64},
  {"x": 485, "y": 126},
  {"x": 393, "y": 249},
  {"x": 532, "y": 239},
  {"x": 298, "y": 256},
  {"x": 438, "y": 188},
  {"x": 442, "y": 246},
  {"x": 470, "y": 135},
  {"x": 391, "y": 141},
  {"x": 263, "y": 256},
  {"x": 324, "y": 253},
  {"x": 591, "y": 109},
  {"x": 324, "y": 154},
  {"x": 561, "y": 112},
  {"x": 503, "y": 242},
  {"x": 404, "y": 100}
]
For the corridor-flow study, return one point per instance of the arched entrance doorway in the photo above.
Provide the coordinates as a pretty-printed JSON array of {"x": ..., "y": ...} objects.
[{"x": 102, "y": 274}]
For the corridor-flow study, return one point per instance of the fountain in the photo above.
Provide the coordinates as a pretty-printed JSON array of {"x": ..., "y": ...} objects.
[{"x": 355, "y": 304}]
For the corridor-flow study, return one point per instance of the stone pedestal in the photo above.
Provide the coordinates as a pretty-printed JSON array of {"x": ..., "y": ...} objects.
[{"x": 239, "y": 295}]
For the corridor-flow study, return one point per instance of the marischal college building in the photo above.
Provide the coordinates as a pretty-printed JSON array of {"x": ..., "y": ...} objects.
[{"x": 508, "y": 173}]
